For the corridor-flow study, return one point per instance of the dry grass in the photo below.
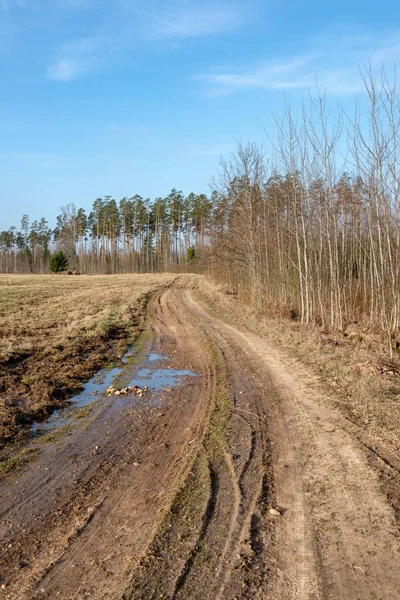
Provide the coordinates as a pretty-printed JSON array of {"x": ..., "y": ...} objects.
[
  {"x": 350, "y": 368},
  {"x": 56, "y": 331},
  {"x": 48, "y": 311}
]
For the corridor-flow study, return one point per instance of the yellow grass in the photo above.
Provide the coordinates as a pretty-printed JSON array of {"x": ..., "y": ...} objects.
[{"x": 45, "y": 311}]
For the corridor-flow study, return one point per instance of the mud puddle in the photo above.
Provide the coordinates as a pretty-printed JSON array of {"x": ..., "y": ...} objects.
[
  {"x": 160, "y": 379},
  {"x": 153, "y": 357},
  {"x": 155, "y": 379}
]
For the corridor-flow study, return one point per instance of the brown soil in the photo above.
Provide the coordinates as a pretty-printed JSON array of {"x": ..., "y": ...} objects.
[{"x": 243, "y": 483}]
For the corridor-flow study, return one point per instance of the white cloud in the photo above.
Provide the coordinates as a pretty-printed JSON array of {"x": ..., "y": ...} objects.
[
  {"x": 78, "y": 58},
  {"x": 134, "y": 24},
  {"x": 65, "y": 69},
  {"x": 333, "y": 64}
]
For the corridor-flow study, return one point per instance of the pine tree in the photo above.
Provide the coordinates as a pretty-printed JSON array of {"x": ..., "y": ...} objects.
[{"x": 58, "y": 262}]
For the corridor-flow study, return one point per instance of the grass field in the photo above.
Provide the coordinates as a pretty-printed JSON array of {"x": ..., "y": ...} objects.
[{"x": 56, "y": 331}]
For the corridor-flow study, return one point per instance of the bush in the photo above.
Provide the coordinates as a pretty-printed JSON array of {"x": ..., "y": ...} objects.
[
  {"x": 58, "y": 262},
  {"x": 191, "y": 254}
]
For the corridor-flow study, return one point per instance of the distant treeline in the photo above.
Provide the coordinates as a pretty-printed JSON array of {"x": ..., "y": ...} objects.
[{"x": 132, "y": 235}]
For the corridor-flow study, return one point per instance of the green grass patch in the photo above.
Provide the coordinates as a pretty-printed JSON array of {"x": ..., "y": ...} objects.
[{"x": 14, "y": 463}]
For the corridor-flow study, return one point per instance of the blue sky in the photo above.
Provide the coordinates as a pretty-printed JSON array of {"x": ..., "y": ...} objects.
[{"x": 122, "y": 96}]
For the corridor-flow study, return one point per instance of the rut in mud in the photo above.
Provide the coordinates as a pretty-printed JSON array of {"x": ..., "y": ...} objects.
[{"x": 239, "y": 483}]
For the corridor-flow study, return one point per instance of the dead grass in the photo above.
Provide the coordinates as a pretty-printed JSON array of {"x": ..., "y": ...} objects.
[
  {"x": 55, "y": 332},
  {"x": 350, "y": 367}
]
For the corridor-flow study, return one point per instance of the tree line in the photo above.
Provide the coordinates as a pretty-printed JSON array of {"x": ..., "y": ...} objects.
[{"x": 133, "y": 235}]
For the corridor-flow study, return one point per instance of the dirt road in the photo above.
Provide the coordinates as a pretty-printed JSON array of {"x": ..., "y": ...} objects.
[{"x": 237, "y": 483}]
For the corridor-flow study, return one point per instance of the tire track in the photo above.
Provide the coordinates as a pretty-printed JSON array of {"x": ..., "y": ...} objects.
[
  {"x": 242, "y": 511},
  {"x": 207, "y": 518}
]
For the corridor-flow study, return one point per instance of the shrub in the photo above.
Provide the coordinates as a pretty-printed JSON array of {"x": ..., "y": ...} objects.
[{"x": 191, "y": 254}]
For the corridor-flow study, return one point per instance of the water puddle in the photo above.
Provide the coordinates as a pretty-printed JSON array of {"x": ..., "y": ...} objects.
[
  {"x": 160, "y": 379},
  {"x": 156, "y": 379},
  {"x": 156, "y": 357},
  {"x": 128, "y": 354},
  {"x": 91, "y": 391}
]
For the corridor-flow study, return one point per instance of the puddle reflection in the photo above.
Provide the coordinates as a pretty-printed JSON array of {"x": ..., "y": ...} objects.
[{"x": 160, "y": 378}]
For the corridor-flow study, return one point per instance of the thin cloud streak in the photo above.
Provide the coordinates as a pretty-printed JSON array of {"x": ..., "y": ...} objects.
[
  {"x": 76, "y": 4},
  {"x": 335, "y": 72},
  {"x": 194, "y": 22}
]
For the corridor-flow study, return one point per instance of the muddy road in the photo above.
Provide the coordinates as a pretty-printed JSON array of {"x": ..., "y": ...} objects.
[{"x": 235, "y": 480}]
